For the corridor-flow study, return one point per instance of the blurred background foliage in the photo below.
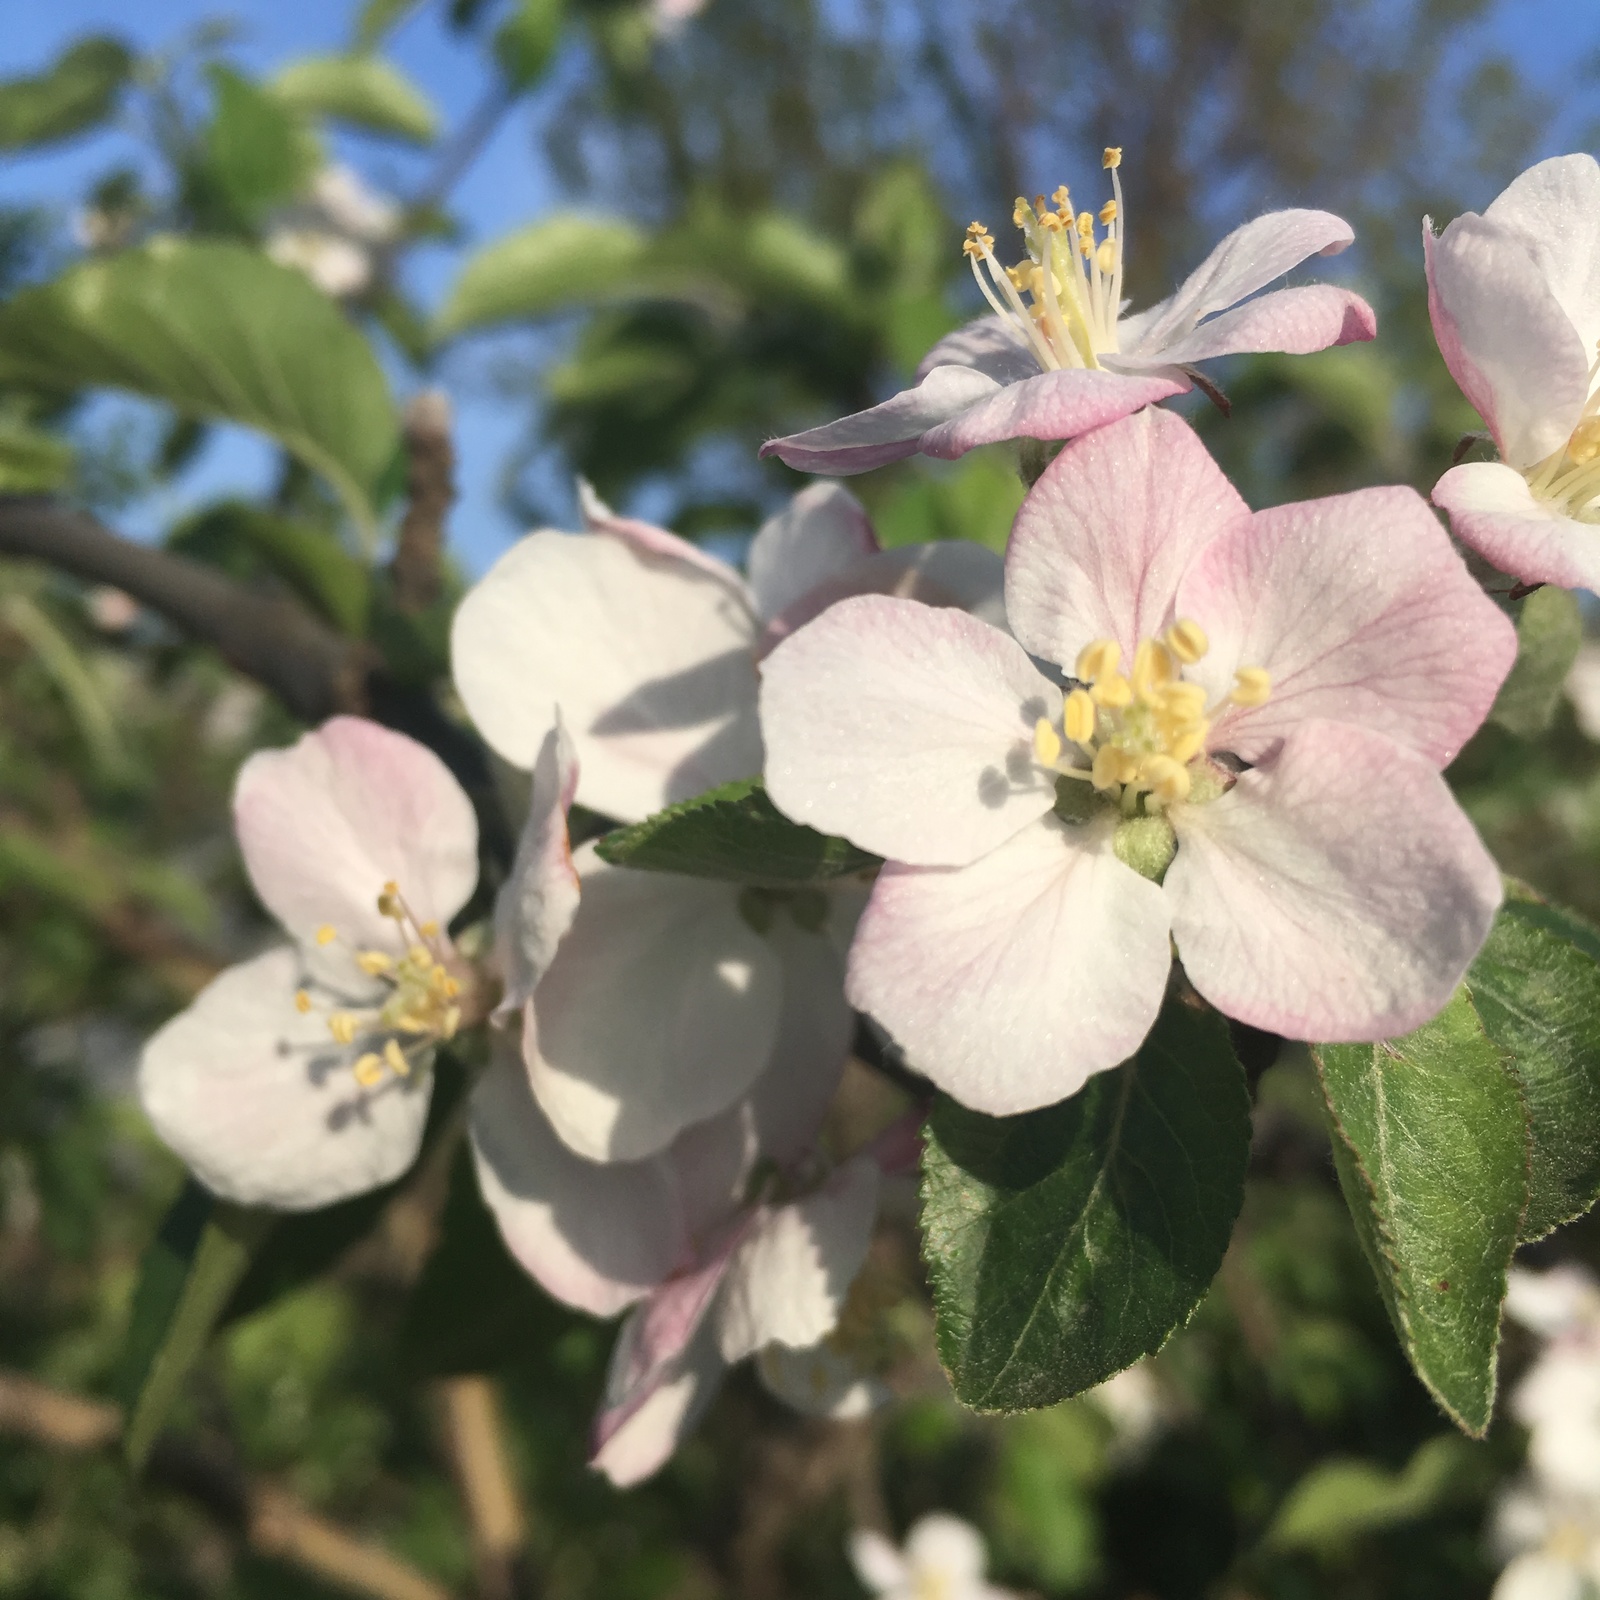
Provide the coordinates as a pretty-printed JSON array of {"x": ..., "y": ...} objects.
[{"x": 760, "y": 230}]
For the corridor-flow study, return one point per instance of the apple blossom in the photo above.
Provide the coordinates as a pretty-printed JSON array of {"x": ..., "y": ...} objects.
[
  {"x": 1261, "y": 785},
  {"x": 1061, "y": 355},
  {"x": 332, "y": 236},
  {"x": 1515, "y": 300},
  {"x": 668, "y": 996},
  {"x": 943, "y": 1559},
  {"x": 303, "y": 1075}
]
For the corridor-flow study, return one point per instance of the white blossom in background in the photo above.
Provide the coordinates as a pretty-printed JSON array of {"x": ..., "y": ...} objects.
[
  {"x": 1136, "y": 1406},
  {"x": 1583, "y": 688},
  {"x": 943, "y": 1559},
  {"x": 333, "y": 234},
  {"x": 1546, "y": 1526},
  {"x": 303, "y": 1075}
]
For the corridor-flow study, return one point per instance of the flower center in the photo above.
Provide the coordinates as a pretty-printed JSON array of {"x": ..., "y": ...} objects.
[
  {"x": 1569, "y": 477},
  {"x": 1065, "y": 297},
  {"x": 421, "y": 1006},
  {"x": 1135, "y": 736}
]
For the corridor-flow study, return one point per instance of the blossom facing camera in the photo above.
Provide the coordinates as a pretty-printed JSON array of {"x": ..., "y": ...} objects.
[
  {"x": 943, "y": 1559},
  {"x": 1245, "y": 760},
  {"x": 302, "y": 1076},
  {"x": 1061, "y": 354},
  {"x": 1515, "y": 299}
]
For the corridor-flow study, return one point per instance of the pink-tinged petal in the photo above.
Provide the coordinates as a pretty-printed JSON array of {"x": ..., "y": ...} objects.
[
  {"x": 347, "y": 808},
  {"x": 820, "y": 534},
  {"x": 1492, "y": 509},
  {"x": 540, "y": 898},
  {"x": 599, "y": 1235},
  {"x": 1296, "y": 321},
  {"x": 636, "y": 1436},
  {"x": 1054, "y": 405},
  {"x": 946, "y": 1546},
  {"x": 650, "y": 541},
  {"x": 789, "y": 1100},
  {"x": 878, "y": 1564},
  {"x": 947, "y": 572},
  {"x": 1505, "y": 337},
  {"x": 787, "y": 1281},
  {"x": 261, "y": 1103},
  {"x": 1554, "y": 207},
  {"x": 1337, "y": 892},
  {"x": 1245, "y": 260},
  {"x": 1362, "y": 612},
  {"x": 1105, "y": 535},
  {"x": 646, "y": 652},
  {"x": 990, "y": 345},
  {"x": 887, "y": 432},
  {"x": 1011, "y": 981},
  {"x": 906, "y": 729},
  {"x": 659, "y": 1010},
  {"x": 820, "y": 1381}
]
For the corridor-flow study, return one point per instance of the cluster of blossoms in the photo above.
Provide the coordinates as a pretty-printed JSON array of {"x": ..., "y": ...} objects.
[
  {"x": 1547, "y": 1526},
  {"x": 334, "y": 233},
  {"x": 1161, "y": 725}
]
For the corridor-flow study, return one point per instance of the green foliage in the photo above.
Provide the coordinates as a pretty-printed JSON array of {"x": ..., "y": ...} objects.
[
  {"x": 1432, "y": 1154},
  {"x": 527, "y": 39},
  {"x": 1549, "y": 631},
  {"x": 737, "y": 834},
  {"x": 257, "y": 155},
  {"x": 215, "y": 330},
  {"x": 78, "y": 92},
  {"x": 363, "y": 90},
  {"x": 1064, "y": 1244},
  {"x": 1536, "y": 989},
  {"x": 31, "y": 461}
]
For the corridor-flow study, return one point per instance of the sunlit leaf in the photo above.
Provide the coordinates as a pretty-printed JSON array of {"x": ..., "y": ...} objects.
[
  {"x": 78, "y": 91},
  {"x": 361, "y": 89}
]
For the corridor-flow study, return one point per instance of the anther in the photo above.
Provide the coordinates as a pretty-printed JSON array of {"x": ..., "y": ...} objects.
[
  {"x": 1046, "y": 744},
  {"x": 429, "y": 930},
  {"x": 1153, "y": 669},
  {"x": 1113, "y": 691},
  {"x": 1584, "y": 445},
  {"x": 1183, "y": 702},
  {"x": 1113, "y": 767},
  {"x": 1108, "y": 213},
  {"x": 1187, "y": 640},
  {"x": 1251, "y": 686},
  {"x": 1097, "y": 659},
  {"x": 394, "y": 1058},
  {"x": 1063, "y": 200},
  {"x": 1111, "y": 156},
  {"x": 1106, "y": 256},
  {"x": 1079, "y": 716},
  {"x": 327, "y": 933},
  {"x": 373, "y": 962},
  {"x": 1168, "y": 779},
  {"x": 1187, "y": 745},
  {"x": 302, "y": 1001},
  {"x": 369, "y": 1071},
  {"x": 343, "y": 1027}
]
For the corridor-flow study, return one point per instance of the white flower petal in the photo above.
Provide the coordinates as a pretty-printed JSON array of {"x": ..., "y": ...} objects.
[
  {"x": 820, "y": 534},
  {"x": 1010, "y": 981},
  {"x": 1492, "y": 509},
  {"x": 261, "y": 1103},
  {"x": 943, "y": 1546},
  {"x": 647, "y": 653},
  {"x": 906, "y": 729},
  {"x": 660, "y": 1010},
  {"x": 878, "y": 1564},
  {"x": 817, "y": 1381},
  {"x": 991, "y": 345}
]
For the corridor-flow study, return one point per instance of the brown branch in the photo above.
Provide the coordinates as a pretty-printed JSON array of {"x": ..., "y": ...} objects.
[
  {"x": 470, "y": 1414},
  {"x": 315, "y": 671},
  {"x": 273, "y": 1522},
  {"x": 430, "y": 487}
]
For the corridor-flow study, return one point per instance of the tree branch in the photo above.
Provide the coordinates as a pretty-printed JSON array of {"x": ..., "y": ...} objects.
[
  {"x": 315, "y": 671},
  {"x": 470, "y": 1414},
  {"x": 430, "y": 487}
]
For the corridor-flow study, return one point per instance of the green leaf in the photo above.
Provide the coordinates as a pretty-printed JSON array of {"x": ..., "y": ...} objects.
[
  {"x": 527, "y": 40},
  {"x": 1341, "y": 1500},
  {"x": 1549, "y": 631},
  {"x": 257, "y": 153},
  {"x": 31, "y": 462},
  {"x": 560, "y": 263},
  {"x": 359, "y": 89},
  {"x": 1064, "y": 1244},
  {"x": 1432, "y": 1154},
  {"x": 78, "y": 91},
  {"x": 378, "y": 17},
  {"x": 215, "y": 330},
  {"x": 187, "y": 1277},
  {"x": 1537, "y": 991},
  {"x": 734, "y": 833}
]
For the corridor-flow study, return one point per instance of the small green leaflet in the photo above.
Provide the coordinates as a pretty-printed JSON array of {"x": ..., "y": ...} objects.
[
  {"x": 1536, "y": 987},
  {"x": 362, "y": 90},
  {"x": 1065, "y": 1243},
  {"x": 79, "y": 91},
  {"x": 188, "y": 1275},
  {"x": 734, "y": 833},
  {"x": 215, "y": 330},
  {"x": 1549, "y": 631},
  {"x": 1431, "y": 1146}
]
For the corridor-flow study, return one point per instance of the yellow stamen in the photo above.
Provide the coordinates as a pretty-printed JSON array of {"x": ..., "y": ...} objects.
[
  {"x": 1584, "y": 445},
  {"x": 1097, "y": 659},
  {"x": 1187, "y": 640},
  {"x": 394, "y": 1058},
  {"x": 1153, "y": 669},
  {"x": 343, "y": 1027},
  {"x": 1182, "y": 702},
  {"x": 302, "y": 1001},
  {"x": 1113, "y": 767},
  {"x": 1079, "y": 716},
  {"x": 1168, "y": 778},
  {"x": 1186, "y": 746},
  {"x": 1106, "y": 256},
  {"x": 1251, "y": 686},
  {"x": 1111, "y": 156},
  {"x": 429, "y": 930},
  {"x": 1108, "y": 213},
  {"x": 1046, "y": 743},
  {"x": 327, "y": 933},
  {"x": 374, "y": 962},
  {"x": 1063, "y": 200},
  {"x": 1114, "y": 692},
  {"x": 369, "y": 1071}
]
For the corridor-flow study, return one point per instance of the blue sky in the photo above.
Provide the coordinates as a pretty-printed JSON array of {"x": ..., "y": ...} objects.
[{"x": 510, "y": 183}]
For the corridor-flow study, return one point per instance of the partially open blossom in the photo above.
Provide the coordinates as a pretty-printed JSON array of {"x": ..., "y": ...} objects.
[
  {"x": 660, "y": 1000},
  {"x": 1061, "y": 355},
  {"x": 1515, "y": 300},
  {"x": 1245, "y": 760},
  {"x": 303, "y": 1075},
  {"x": 332, "y": 235},
  {"x": 943, "y": 1559}
]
